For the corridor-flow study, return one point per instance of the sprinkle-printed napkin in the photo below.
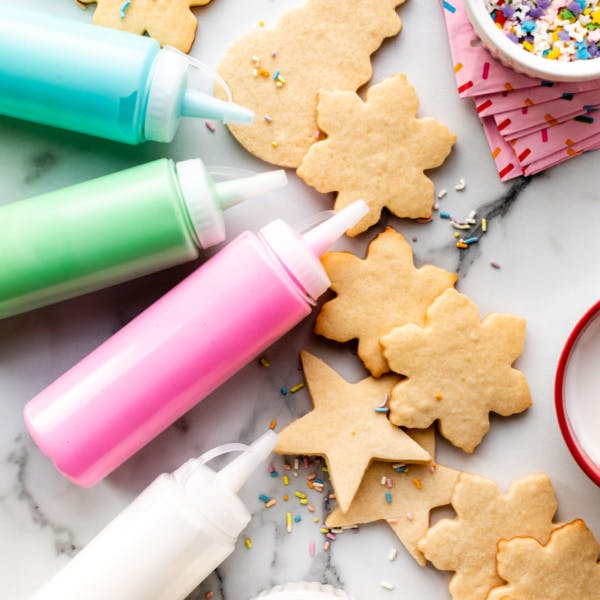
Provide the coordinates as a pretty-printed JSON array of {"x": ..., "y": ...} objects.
[{"x": 530, "y": 124}]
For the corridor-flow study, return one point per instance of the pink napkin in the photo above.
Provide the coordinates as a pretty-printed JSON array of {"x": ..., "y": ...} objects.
[{"x": 530, "y": 124}]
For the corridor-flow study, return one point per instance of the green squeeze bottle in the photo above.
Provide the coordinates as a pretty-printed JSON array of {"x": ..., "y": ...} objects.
[{"x": 112, "y": 229}]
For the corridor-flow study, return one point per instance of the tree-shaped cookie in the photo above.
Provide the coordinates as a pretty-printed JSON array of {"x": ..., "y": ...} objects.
[
  {"x": 171, "y": 22},
  {"x": 376, "y": 294},
  {"x": 566, "y": 568},
  {"x": 345, "y": 428},
  {"x": 326, "y": 44},
  {"x": 377, "y": 150},
  {"x": 401, "y": 496},
  {"x": 467, "y": 544},
  {"x": 458, "y": 369}
]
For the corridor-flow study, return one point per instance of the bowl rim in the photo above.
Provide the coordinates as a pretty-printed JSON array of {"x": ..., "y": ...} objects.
[
  {"x": 536, "y": 66},
  {"x": 591, "y": 469}
]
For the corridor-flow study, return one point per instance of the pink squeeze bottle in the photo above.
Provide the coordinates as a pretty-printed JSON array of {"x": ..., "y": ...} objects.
[{"x": 172, "y": 355}]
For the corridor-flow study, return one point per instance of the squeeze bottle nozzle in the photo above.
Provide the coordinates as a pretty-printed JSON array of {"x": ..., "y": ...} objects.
[
  {"x": 320, "y": 237},
  {"x": 199, "y": 104},
  {"x": 234, "y": 191},
  {"x": 239, "y": 470}
]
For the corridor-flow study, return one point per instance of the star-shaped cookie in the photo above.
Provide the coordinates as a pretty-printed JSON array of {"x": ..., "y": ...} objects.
[
  {"x": 376, "y": 294},
  {"x": 566, "y": 568},
  {"x": 467, "y": 544},
  {"x": 413, "y": 494},
  {"x": 171, "y": 22},
  {"x": 324, "y": 44},
  {"x": 458, "y": 369},
  {"x": 344, "y": 428},
  {"x": 377, "y": 150}
]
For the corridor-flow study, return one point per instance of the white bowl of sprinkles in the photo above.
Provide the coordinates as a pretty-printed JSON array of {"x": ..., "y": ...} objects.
[{"x": 546, "y": 53}]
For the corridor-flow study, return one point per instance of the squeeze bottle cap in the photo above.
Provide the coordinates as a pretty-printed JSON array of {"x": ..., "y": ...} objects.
[
  {"x": 299, "y": 254},
  {"x": 170, "y": 98},
  {"x": 213, "y": 494},
  {"x": 206, "y": 200}
]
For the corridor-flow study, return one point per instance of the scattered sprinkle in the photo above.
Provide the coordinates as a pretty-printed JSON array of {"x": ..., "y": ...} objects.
[
  {"x": 248, "y": 543},
  {"x": 409, "y": 516},
  {"x": 297, "y": 519},
  {"x": 275, "y": 144},
  {"x": 389, "y": 483},
  {"x": 268, "y": 118},
  {"x": 286, "y": 498},
  {"x": 300, "y": 495},
  {"x": 208, "y": 595},
  {"x": 311, "y": 549},
  {"x": 388, "y": 497},
  {"x": 297, "y": 387},
  {"x": 124, "y": 8},
  {"x": 417, "y": 483},
  {"x": 400, "y": 468},
  {"x": 471, "y": 240},
  {"x": 273, "y": 424},
  {"x": 286, "y": 480},
  {"x": 331, "y": 536},
  {"x": 382, "y": 409},
  {"x": 460, "y": 186},
  {"x": 494, "y": 264},
  {"x": 261, "y": 23},
  {"x": 393, "y": 553},
  {"x": 264, "y": 362},
  {"x": 210, "y": 126},
  {"x": 271, "y": 502},
  {"x": 283, "y": 391},
  {"x": 442, "y": 194},
  {"x": 311, "y": 508},
  {"x": 484, "y": 225},
  {"x": 326, "y": 545},
  {"x": 444, "y": 214},
  {"x": 316, "y": 519},
  {"x": 263, "y": 498},
  {"x": 289, "y": 522},
  {"x": 387, "y": 585}
]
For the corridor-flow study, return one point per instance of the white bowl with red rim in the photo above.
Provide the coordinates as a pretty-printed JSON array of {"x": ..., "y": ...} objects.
[
  {"x": 513, "y": 55},
  {"x": 577, "y": 392}
]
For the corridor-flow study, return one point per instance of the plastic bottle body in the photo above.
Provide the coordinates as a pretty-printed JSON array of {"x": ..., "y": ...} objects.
[
  {"x": 74, "y": 76},
  {"x": 159, "y": 547},
  {"x": 92, "y": 235},
  {"x": 166, "y": 360}
]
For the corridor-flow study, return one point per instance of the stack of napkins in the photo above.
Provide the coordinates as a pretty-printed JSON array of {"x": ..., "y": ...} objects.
[{"x": 530, "y": 124}]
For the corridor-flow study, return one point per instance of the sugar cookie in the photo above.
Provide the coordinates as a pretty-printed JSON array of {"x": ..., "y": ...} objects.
[
  {"x": 171, "y": 22},
  {"x": 566, "y": 568},
  {"x": 377, "y": 150},
  {"x": 376, "y": 294},
  {"x": 458, "y": 370}
]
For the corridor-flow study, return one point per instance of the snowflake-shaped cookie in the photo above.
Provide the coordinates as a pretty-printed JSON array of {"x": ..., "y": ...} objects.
[
  {"x": 171, "y": 22},
  {"x": 566, "y": 568},
  {"x": 458, "y": 369},
  {"x": 374, "y": 295},
  {"x": 467, "y": 544},
  {"x": 377, "y": 150}
]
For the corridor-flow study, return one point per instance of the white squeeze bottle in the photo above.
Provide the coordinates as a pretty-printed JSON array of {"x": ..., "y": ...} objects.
[{"x": 170, "y": 538}]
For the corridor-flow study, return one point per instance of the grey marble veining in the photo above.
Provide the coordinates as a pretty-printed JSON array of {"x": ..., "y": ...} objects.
[{"x": 542, "y": 231}]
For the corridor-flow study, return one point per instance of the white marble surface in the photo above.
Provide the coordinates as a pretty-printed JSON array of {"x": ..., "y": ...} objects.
[{"x": 543, "y": 231}]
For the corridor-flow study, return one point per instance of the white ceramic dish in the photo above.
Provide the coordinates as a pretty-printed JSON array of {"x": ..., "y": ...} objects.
[
  {"x": 303, "y": 590},
  {"x": 515, "y": 57}
]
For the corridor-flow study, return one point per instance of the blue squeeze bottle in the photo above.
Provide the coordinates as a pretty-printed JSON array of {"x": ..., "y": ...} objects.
[{"x": 98, "y": 81}]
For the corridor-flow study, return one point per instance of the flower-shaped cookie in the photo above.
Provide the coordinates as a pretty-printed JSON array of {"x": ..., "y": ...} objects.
[
  {"x": 377, "y": 150},
  {"x": 566, "y": 568},
  {"x": 467, "y": 544},
  {"x": 171, "y": 22},
  {"x": 374, "y": 295},
  {"x": 458, "y": 369},
  {"x": 401, "y": 496},
  {"x": 345, "y": 428}
]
